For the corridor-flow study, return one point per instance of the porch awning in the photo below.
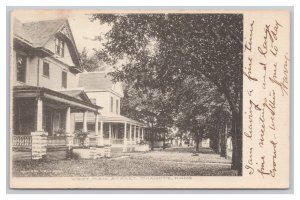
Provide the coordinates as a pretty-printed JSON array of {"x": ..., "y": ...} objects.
[
  {"x": 26, "y": 91},
  {"x": 112, "y": 119}
]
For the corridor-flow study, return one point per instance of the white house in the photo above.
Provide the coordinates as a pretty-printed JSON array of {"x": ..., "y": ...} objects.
[{"x": 117, "y": 130}]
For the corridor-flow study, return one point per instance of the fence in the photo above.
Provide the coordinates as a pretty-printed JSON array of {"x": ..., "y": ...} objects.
[{"x": 22, "y": 140}]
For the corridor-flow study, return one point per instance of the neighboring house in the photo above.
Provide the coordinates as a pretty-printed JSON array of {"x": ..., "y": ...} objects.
[
  {"x": 103, "y": 91},
  {"x": 51, "y": 92},
  {"x": 45, "y": 66}
]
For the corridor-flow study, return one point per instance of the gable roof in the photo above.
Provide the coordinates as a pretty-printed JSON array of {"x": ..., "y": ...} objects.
[
  {"x": 78, "y": 94},
  {"x": 38, "y": 33},
  {"x": 34, "y": 91},
  {"x": 99, "y": 81}
]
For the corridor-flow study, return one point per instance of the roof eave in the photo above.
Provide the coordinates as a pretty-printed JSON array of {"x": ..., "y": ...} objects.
[{"x": 42, "y": 91}]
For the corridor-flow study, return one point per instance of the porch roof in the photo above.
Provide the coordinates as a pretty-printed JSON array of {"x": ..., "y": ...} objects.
[
  {"x": 112, "y": 119},
  {"x": 26, "y": 91}
]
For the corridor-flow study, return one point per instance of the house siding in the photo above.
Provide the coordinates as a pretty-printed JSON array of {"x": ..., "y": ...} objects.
[
  {"x": 103, "y": 99},
  {"x": 54, "y": 81},
  {"x": 34, "y": 66}
]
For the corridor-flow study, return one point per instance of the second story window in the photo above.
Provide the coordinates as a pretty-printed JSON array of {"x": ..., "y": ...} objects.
[
  {"x": 21, "y": 68},
  {"x": 46, "y": 70},
  {"x": 64, "y": 79},
  {"x": 117, "y": 106},
  {"x": 111, "y": 104},
  {"x": 59, "y": 47}
]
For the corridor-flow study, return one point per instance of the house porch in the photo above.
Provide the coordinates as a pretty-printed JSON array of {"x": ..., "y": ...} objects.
[
  {"x": 121, "y": 133},
  {"x": 43, "y": 119}
]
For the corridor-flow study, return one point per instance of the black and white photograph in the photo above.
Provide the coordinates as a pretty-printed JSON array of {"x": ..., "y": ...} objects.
[{"x": 134, "y": 94}]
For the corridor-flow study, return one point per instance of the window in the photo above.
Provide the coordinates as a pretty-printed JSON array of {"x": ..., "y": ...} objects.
[
  {"x": 64, "y": 79},
  {"x": 111, "y": 104},
  {"x": 46, "y": 69},
  {"x": 117, "y": 106},
  {"x": 93, "y": 100},
  {"x": 21, "y": 68},
  {"x": 59, "y": 47}
]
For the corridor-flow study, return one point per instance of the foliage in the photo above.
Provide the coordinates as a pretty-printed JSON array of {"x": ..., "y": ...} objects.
[
  {"x": 151, "y": 106},
  {"x": 81, "y": 134},
  {"x": 91, "y": 62},
  {"x": 60, "y": 132},
  {"x": 162, "y": 51}
]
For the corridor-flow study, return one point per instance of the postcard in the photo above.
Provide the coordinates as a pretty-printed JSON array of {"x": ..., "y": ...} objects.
[{"x": 150, "y": 99}]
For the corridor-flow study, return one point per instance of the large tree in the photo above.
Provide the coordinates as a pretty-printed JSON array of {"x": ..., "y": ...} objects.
[
  {"x": 160, "y": 50},
  {"x": 199, "y": 103}
]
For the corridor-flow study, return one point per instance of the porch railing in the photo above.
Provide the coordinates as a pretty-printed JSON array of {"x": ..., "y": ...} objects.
[
  {"x": 117, "y": 141},
  {"x": 78, "y": 141},
  {"x": 22, "y": 140},
  {"x": 56, "y": 141},
  {"x": 93, "y": 141}
]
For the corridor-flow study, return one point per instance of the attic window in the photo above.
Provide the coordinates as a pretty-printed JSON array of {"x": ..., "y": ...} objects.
[{"x": 59, "y": 47}]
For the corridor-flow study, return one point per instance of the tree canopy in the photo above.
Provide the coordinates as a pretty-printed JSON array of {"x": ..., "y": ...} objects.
[{"x": 161, "y": 52}]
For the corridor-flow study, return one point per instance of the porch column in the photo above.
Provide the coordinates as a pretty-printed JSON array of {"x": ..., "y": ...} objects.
[
  {"x": 84, "y": 129},
  {"x": 68, "y": 120},
  {"x": 134, "y": 135},
  {"x": 69, "y": 135},
  {"x": 109, "y": 133},
  {"x": 139, "y": 139},
  {"x": 130, "y": 132},
  {"x": 39, "y": 115},
  {"x": 96, "y": 123},
  {"x": 142, "y": 133},
  {"x": 101, "y": 142},
  {"x": 125, "y": 138}
]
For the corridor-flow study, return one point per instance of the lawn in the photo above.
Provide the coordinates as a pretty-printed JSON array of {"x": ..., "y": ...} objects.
[{"x": 170, "y": 162}]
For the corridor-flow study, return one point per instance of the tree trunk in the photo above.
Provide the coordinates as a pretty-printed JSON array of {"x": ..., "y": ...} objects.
[
  {"x": 237, "y": 135},
  {"x": 152, "y": 139},
  {"x": 180, "y": 144},
  {"x": 164, "y": 140},
  {"x": 237, "y": 143},
  {"x": 197, "y": 140},
  {"x": 219, "y": 144},
  {"x": 224, "y": 143}
]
